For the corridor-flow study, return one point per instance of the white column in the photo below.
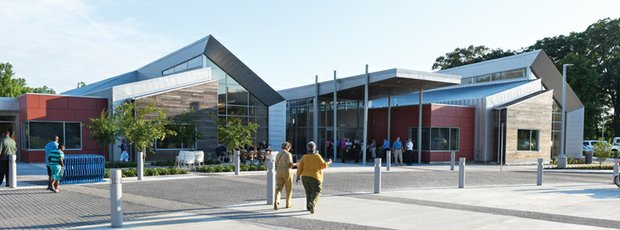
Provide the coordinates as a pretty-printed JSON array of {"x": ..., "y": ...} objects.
[
  {"x": 335, "y": 122},
  {"x": 420, "y": 106},
  {"x": 315, "y": 115},
  {"x": 462, "y": 172},
  {"x": 271, "y": 182},
  {"x": 377, "y": 175},
  {"x": 116, "y": 197},
  {"x": 562, "y": 159},
  {"x": 237, "y": 161},
  {"x": 539, "y": 175},
  {"x": 389, "y": 118},
  {"x": 365, "y": 140}
]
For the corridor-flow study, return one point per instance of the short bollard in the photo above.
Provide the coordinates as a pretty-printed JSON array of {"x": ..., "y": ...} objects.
[
  {"x": 388, "y": 158},
  {"x": 237, "y": 162},
  {"x": 452, "y": 156},
  {"x": 12, "y": 181},
  {"x": 462, "y": 172},
  {"x": 616, "y": 167},
  {"x": 116, "y": 197},
  {"x": 539, "y": 175},
  {"x": 140, "y": 162},
  {"x": 271, "y": 182},
  {"x": 377, "y": 175}
]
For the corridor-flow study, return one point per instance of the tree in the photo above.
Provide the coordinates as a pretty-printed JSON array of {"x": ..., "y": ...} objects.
[
  {"x": 11, "y": 86},
  {"x": 236, "y": 135},
  {"x": 141, "y": 126},
  {"x": 602, "y": 150},
  {"x": 186, "y": 127},
  {"x": 469, "y": 55},
  {"x": 103, "y": 129},
  {"x": 81, "y": 84}
]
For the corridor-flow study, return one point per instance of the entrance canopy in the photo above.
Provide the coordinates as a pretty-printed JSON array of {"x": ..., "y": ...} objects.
[{"x": 381, "y": 84}]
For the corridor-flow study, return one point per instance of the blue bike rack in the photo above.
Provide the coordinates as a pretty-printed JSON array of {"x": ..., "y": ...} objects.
[{"x": 83, "y": 168}]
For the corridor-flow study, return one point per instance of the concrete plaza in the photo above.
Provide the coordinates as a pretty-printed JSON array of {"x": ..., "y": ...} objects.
[{"x": 413, "y": 197}]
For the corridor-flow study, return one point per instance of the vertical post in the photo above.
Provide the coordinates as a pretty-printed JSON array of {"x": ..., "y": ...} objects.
[
  {"x": 501, "y": 148},
  {"x": 562, "y": 159},
  {"x": 140, "y": 165},
  {"x": 116, "y": 197},
  {"x": 237, "y": 161},
  {"x": 420, "y": 100},
  {"x": 539, "y": 175},
  {"x": 616, "y": 167},
  {"x": 377, "y": 175},
  {"x": 335, "y": 132},
  {"x": 12, "y": 181},
  {"x": 462, "y": 172},
  {"x": 452, "y": 156},
  {"x": 389, "y": 118},
  {"x": 388, "y": 159},
  {"x": 315, "y": 114},
  {"x": 365, "y": 140},
  {"x": 271, "y": 179}
]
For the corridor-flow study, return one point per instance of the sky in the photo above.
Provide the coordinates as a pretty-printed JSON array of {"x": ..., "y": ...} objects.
[{"x": 59, "y": 43}]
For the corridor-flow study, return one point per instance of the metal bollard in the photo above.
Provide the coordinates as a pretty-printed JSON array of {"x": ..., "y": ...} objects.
[
  {"x": 237, "y": 162},
  {"x": 116, "y": 197},
  {"x": 271, "y": 182},
  {"x": 616, "y": 167},
  {"x": 462, "y": 172},
  {"x": 539, "y": 176},
  {"x": 452, "y": 156},
  {"x": 12, "y": 181},
  {"x": 388, "y": 158},
  {"x": 377, "y": 175},
  {"x": 140, "y": 165}
]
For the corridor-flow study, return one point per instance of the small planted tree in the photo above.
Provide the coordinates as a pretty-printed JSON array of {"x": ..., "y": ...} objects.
[
  {"x": 236, "y": 135},
  {"x": 602, "y": 150},
  {"x": 103, "y": 129}
]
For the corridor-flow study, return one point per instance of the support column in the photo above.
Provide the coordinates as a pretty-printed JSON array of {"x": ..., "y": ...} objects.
[
  {"x": 389, "y": 124},
  {"x": 315, "y": 114},
  {"x": 420, "y": 105},
  {"x": 335, "y": 122},
  {"x": 365, "y": 140}
]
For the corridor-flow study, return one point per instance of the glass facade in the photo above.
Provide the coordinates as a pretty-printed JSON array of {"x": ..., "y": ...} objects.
[
  {"x": 194, "y": 63},
  {"x": 299, "y": 123},
  {"x": 505, "y": 75},
  {"x": 38, "y": 134},
  {"x": 436, "y": 139},
  {"x": 556, "y": 129},
  {"x": 527, "y": 140}
]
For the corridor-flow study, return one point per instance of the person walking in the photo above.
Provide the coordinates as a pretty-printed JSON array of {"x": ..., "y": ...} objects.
[
  {"x": 49, "y": 147},
  {"x": 310, "y": 171},
  {"x": 284, "y": 175},
  {"x": 385, "y": 148},
  {"x": 373, "y": 149},
  {"x": 398, "y": 151},
  {"x": 7, "y": 148},
  {"x": 56, "y": 162}
]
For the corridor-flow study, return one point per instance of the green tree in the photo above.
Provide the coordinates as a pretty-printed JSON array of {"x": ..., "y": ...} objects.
[
  {"x": 469, "y": 55},
  {"x": 236, "y": 135},
  {"x": 186, "y": 127},
  {"x": 141, "y": 125},
  {"x": 103, "y": 129},
  {"x": 42, "y": 89},
  {"x": 602, "y": 150},
  {"x": 11, "y": 86},
  {"x": 81, "y": 84}
]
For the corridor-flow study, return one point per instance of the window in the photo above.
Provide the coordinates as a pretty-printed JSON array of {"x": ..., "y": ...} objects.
[
  {"x": 513, "y": 74},
  {"x": 437, "y": 139},
  {"x": 527, "y": 140},
  {"x": 38, "y": 134}
]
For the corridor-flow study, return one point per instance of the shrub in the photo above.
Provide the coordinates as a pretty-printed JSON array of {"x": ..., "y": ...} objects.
[
  {"x": 162, "y": 171},
  {"x": 120, "y": 164},
  {"x": 602, "y": 150},
  {"x": 163, "y": 163}
]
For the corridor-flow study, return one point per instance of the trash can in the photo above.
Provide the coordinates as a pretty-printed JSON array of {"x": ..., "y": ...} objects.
[{"x": 588, "y": 155}]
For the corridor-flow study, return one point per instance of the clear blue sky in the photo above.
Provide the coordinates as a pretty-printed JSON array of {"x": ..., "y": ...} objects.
[{"x": 59, "y": 43}]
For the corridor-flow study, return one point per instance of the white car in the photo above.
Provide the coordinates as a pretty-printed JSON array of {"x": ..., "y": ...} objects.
[{"x": 588, "y": 146}]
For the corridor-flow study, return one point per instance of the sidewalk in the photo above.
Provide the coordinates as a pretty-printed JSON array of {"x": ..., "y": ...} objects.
[{"x": 566, "y": 206}]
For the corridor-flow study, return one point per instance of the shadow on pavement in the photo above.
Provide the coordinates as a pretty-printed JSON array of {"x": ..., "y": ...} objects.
[{"x": 610, "y": 193}]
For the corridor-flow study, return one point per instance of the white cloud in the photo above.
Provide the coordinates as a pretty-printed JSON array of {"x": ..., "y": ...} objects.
[{"x": 58, "y": 43}]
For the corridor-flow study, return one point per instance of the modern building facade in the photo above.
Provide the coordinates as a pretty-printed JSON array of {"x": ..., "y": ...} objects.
[{"x": 505, "y": 110}]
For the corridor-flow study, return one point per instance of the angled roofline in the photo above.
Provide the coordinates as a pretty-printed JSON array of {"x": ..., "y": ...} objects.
[
  {"x": 487, "y": 62},
  {"x": 521, "y": 99}
]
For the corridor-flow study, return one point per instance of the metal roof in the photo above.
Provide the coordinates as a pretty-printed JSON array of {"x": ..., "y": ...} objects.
[
  {"x": 381, "y": 84},
  {"x": 213, "y": 50},
  {"x": 517, "y": 61},
  {"x": 444, "y": 95}
]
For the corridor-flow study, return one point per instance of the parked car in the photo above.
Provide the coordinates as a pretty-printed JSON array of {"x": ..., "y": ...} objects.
[{"x": 588, "y": 146}]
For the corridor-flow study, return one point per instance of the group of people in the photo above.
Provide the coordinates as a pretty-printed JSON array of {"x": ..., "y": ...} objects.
[
  {"x": 309, "y": 171},
  {"x": 352, "y": 151},
  {"x": 399, "y": 151},
  {"x": 54, "y": 161},
  {"x": 7, "y": 147},
  {"x": 251, "y": 153}
]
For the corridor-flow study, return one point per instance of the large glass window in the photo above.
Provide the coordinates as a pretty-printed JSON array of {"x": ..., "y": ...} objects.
[
  {"x": 437, "y": 139},
  {"x": 38, "y": 134},
  {"x": 194, "y": 63},
  {"x": 513, "y": 74},
  {"x": 527, "y": 140}
]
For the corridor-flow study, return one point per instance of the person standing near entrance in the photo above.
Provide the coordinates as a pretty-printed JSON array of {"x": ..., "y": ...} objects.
[
  {"x": 409, "y": 151},
  {"x": 7, "y": 148},
  {"x": 386, "y": 147},
  {"x": 51, "y": 146},
  {"x": 373, "y": 149},
  {"x": 310, "y": 170},
  {"x": 398, "y": 151},
  {"x": 57, "y": 162},
  {"x": 284, "y": 175}
]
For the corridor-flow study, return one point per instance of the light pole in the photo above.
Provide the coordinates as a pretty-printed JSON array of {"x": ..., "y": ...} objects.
[
  {"x": 603, "y": 126},
  {"x": 562, "y": 159}
]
